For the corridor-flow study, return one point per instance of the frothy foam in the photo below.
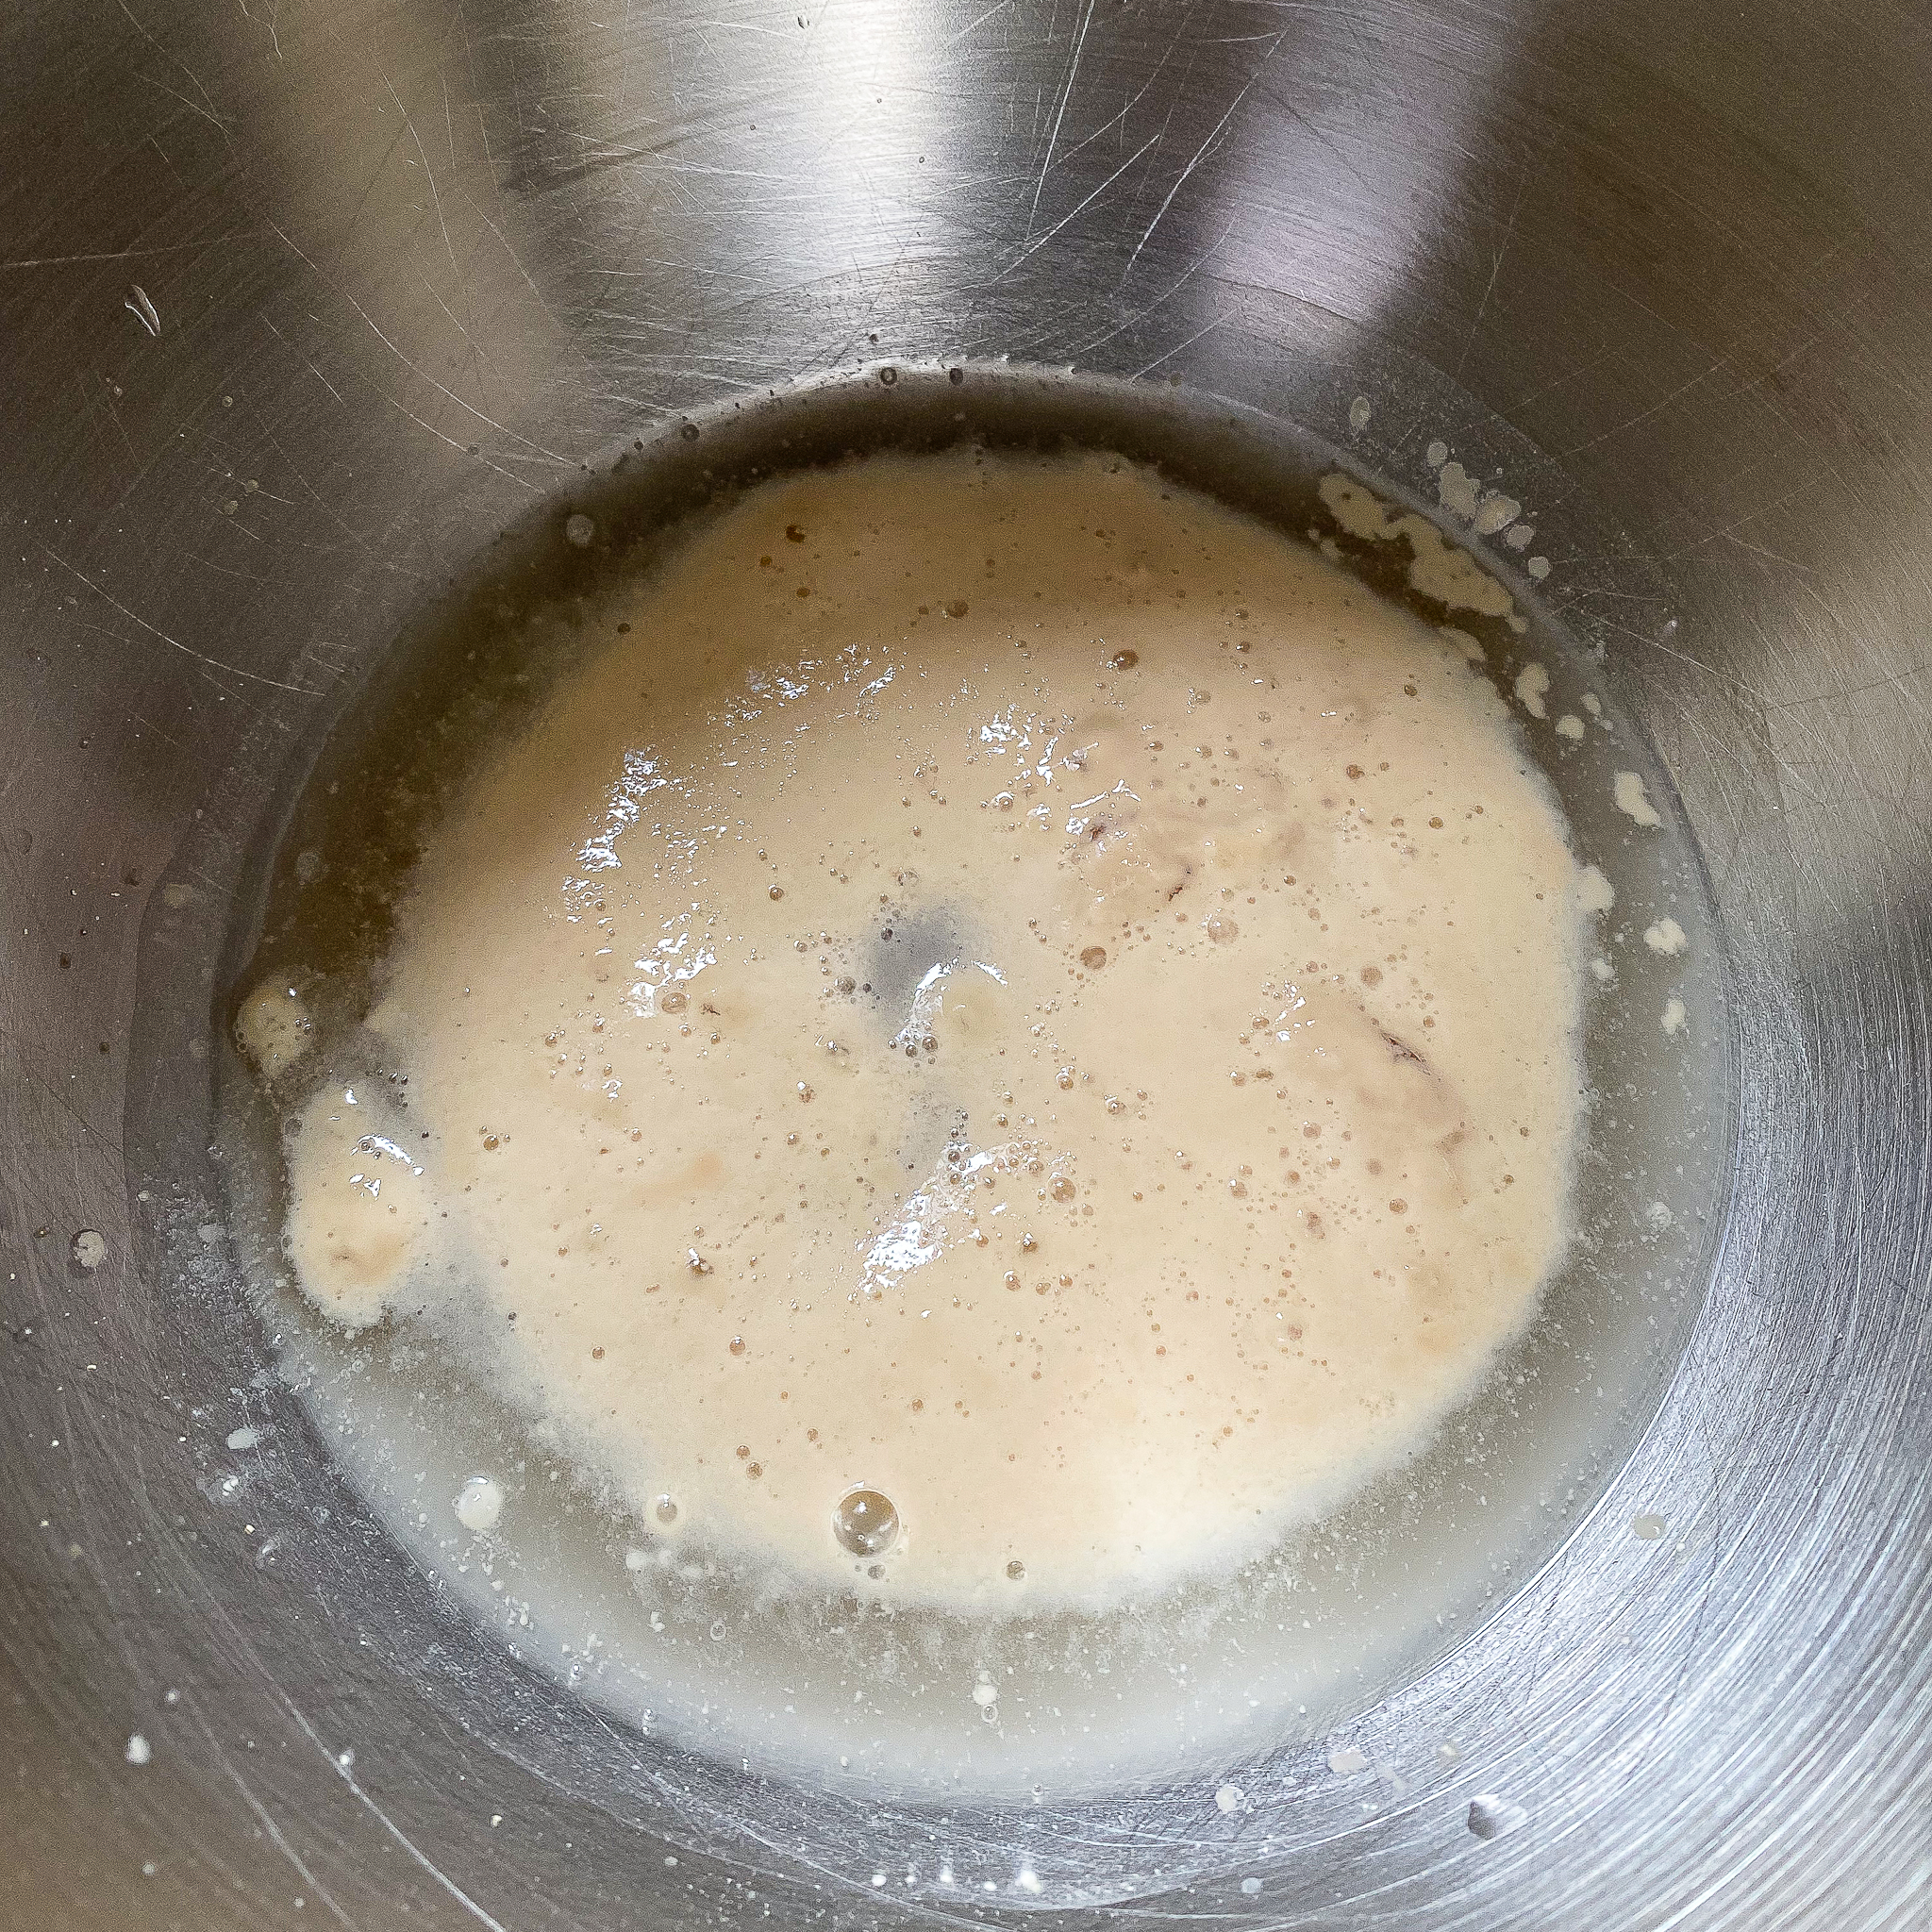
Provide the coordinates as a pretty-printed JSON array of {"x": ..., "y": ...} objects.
[{"x": 1014, "y": 994}]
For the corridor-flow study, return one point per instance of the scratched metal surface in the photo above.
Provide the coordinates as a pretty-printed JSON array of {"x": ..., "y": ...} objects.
[{"x": 300, "y": 302}]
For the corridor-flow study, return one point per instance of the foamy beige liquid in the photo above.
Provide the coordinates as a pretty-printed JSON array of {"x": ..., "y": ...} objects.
[{"x": 1200, "y": 1131}]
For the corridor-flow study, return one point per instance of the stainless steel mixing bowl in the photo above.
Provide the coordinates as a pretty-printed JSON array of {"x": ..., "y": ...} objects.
[{"x": 303, "y": 300}]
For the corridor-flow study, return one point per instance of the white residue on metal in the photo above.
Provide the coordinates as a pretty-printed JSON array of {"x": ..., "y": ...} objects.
[{"x": 1462, "y": 496}]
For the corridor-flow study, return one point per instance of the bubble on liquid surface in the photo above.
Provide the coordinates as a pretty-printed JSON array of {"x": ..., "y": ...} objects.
[
  {"x": 580, "y": 529},
  {"x": 665, "y": 1509},
  {"x": 866, "y": 1523},
  {"x": 478, "y": 1504}
]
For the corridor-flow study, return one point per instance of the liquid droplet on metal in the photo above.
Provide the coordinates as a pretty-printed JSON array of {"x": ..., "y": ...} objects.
[{"x": 140, "y": 304}]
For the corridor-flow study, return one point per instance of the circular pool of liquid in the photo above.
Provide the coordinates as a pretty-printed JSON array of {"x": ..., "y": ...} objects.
[{"x": 634, "y": 810}]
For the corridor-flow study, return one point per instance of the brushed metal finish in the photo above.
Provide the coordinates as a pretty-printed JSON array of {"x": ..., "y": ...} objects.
[{"x": 300, "y": 303}]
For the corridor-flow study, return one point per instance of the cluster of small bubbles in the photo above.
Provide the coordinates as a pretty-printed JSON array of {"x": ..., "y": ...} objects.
[{"x": 866, "y": 1523}]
